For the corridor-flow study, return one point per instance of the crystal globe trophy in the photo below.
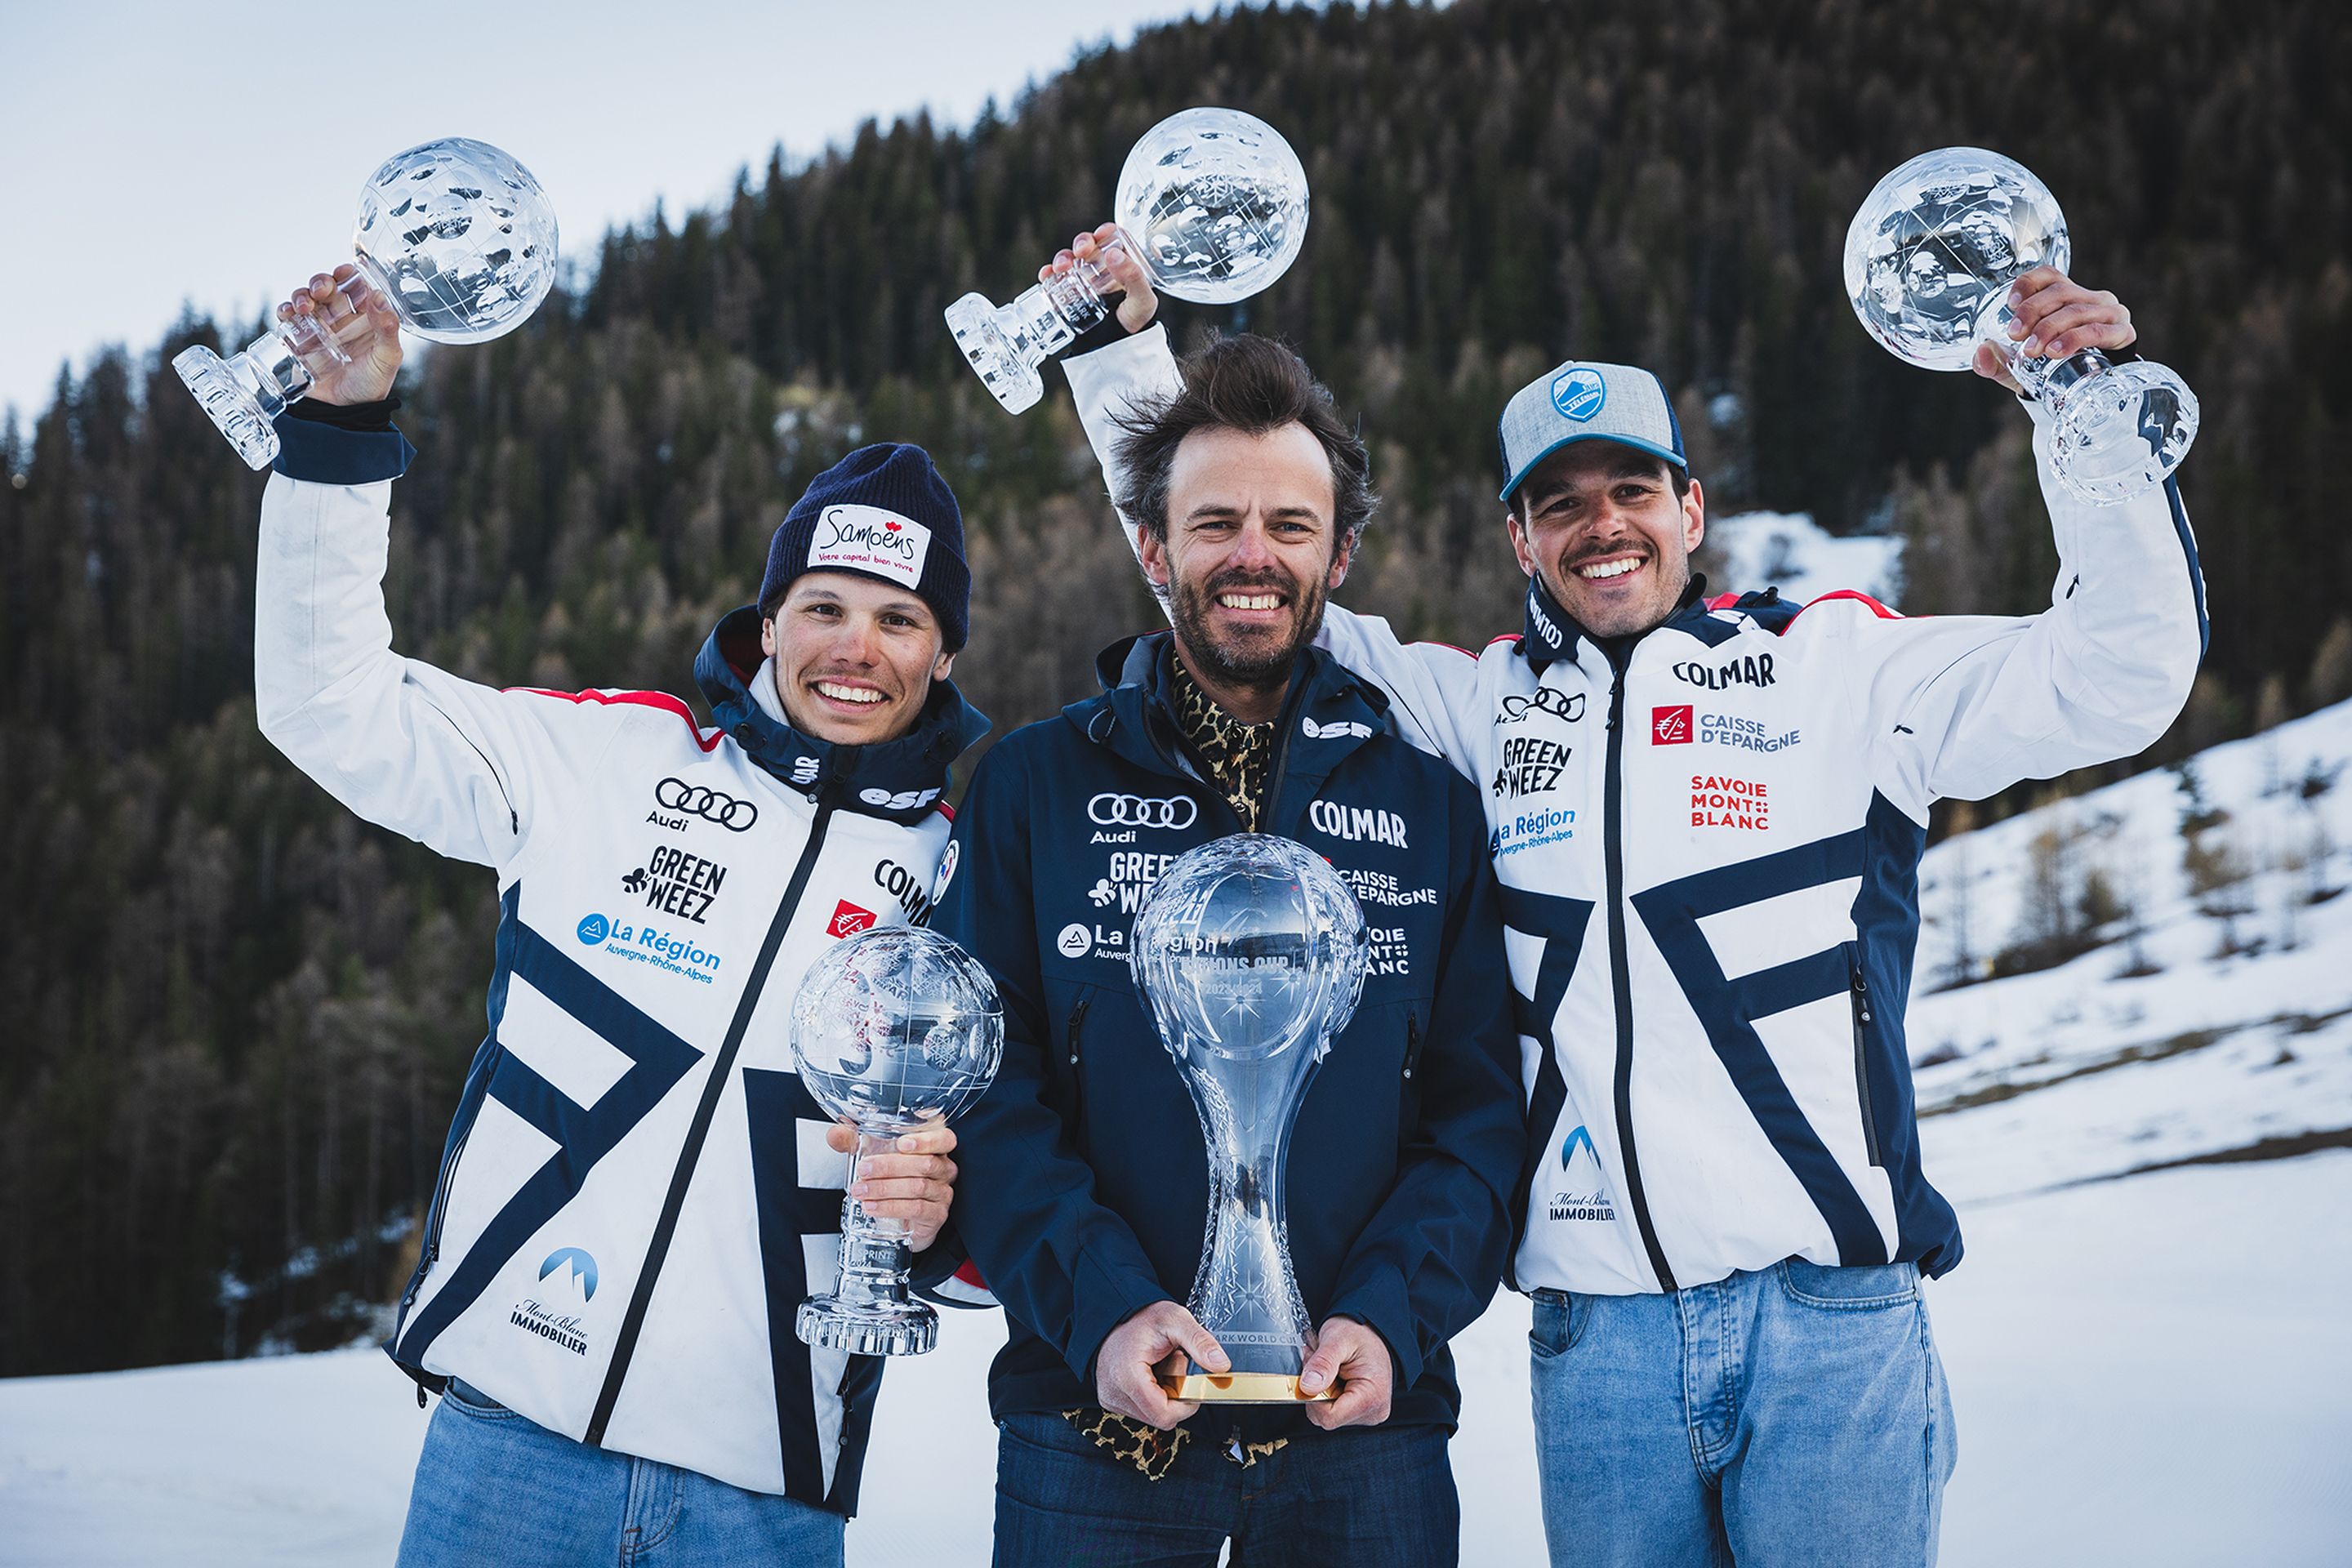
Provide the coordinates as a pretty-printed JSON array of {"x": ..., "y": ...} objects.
[
  {"x": 1250, "y": 953},
  {"x": 455, "y": 235},
  {"x": 891, "y": 1028},
  {"x": 1211, "y": 201},
  {"x": 1928, "y": 261}
]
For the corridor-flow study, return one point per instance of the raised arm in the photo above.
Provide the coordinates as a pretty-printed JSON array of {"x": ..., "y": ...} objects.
[
  {"x": 457, "y": 766},
  {"x": 1967, "y": 705}
]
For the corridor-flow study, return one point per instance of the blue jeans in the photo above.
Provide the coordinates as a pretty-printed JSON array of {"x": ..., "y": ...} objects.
[
  {"x": 1794, "y": 1415},
  {"x": 1363, "y": 1497},
  {"x": 492, "y": 1486}
]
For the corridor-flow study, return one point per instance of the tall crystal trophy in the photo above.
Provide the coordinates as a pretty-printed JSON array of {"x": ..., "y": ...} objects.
[
  {"x": 1249, "y": 952},
  {"x": 1928, "y": 261},
  {"x": 1212, "y": 201},
  {"x": 455, "y": 234},
  {"x": 891, "y": 1028}
]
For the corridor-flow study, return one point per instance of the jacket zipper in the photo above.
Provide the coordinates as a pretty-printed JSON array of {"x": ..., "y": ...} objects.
[
  {"x": 625, "y": 1345},
  {"x": 1621, "y": 971},
  {"x": 430, "y": 1253},
  {"x": 1412, "y": 1041},
  {"x": 1860, "y": 997},
  {"x": 1078, "y": 1081}
]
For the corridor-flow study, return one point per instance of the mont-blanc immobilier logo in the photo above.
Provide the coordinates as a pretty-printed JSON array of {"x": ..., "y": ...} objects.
[{"x": 868, "y": 539}]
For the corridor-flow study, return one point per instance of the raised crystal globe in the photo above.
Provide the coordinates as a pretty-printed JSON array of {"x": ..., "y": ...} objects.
[
  {"x": 455, "y": 235},
  {"x": 891, "y": 1028},
  {"x": 1211, "y": 201},
  {"x": 1929, "y": 257}
]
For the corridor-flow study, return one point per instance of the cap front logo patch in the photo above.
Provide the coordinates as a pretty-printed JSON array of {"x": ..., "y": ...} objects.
[
  {"x": 867, "y": 538},
  {"x": 1579, "y": 393}
]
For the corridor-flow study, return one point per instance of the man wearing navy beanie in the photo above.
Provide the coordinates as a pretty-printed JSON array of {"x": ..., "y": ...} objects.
[{"x": 638, "y": 1192}]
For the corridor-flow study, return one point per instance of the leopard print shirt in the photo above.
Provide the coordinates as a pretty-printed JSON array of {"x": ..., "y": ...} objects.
[{"x": 1237, "y": 753}]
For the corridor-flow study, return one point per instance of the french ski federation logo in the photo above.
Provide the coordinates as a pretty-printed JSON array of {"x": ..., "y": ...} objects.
[
  {"x": 1579, "y": 393},
  {"x": 848, "y": 920},
  {"x": 583, "y": 1270},
  {"x": 948, "y": 863},
  {"x": 1340, "y": 731},
  {"x": 1670, "y": 726}
]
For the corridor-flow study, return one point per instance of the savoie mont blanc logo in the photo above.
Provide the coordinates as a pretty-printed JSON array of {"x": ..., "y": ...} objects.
[{"x": 1579, "y": 393}]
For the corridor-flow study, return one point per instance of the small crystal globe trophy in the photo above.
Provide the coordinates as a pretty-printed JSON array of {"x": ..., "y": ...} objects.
[
  {"x": 1211, "y": 201},
  {"x": 455, "y": 234},
  {"x": 1250, "y": 952},
  {"x": 1929, "y": 262},
  {"x": 891, "y": 1028}
]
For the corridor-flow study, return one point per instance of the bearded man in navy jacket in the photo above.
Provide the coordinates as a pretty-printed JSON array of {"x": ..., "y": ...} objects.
[{"x": 1085, "y": 1189}]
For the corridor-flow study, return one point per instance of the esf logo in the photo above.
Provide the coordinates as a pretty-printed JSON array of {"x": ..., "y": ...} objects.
[
  {"x": 903, "y": 800},
  {"x": 1340, "y": 731},
  {"x": 901, "y": 884},
  {"x": 1566, "y": 706},
  {"x": 700, "y": 801},
  {"x": 1579, "y": 393},
  {"x": 1357, "y": 824},
  {"x": 1756, "y": 669},
  {"x": 1108, "y": 810}
]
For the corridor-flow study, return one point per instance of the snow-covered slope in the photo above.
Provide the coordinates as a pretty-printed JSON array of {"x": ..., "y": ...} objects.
[
  {"x": 2148, "y": 1368},
  {"x": 1790, "y": 552}
]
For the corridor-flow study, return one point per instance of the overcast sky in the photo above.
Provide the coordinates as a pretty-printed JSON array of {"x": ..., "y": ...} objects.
[{"x": 162, "y": 151}]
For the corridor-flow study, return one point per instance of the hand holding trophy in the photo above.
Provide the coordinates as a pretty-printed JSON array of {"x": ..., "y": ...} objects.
[
  {"x": 1212, "y": 201},
  {"x": 1930, "y": 261},
  {"x": 891, "y": 1028},
  {"x": 454, "y": 235},
  {"x": 1250, "y": 953}
]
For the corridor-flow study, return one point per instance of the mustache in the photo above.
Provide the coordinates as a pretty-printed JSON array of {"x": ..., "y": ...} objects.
[
  {"x": 1570, "y": 563},
  {"x": 1244, "y": 580}
]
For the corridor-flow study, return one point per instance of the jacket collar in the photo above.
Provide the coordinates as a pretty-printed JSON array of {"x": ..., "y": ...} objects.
[
  {"x": 863, "y": 778},
  {"x": 1327, "y": 713},
  {"x": 1552, "y": 634}
]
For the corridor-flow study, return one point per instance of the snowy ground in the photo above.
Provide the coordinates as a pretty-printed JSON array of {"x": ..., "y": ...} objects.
[
  {"x": 2148, "y": 1368},
  {"x": 2147, "y": 1372}
]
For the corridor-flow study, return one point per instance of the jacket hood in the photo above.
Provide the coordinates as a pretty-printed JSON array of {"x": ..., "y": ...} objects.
[{"x": 898, "y": 780}]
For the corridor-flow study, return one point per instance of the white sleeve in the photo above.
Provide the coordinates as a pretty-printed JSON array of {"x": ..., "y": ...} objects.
[
  {"x": 461, "y": 768},
  {"x": 1433, "y": 689},
  {"x": 1965, "y": 705}
]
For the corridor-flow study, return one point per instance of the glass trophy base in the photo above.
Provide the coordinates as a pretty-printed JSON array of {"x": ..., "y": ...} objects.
[
  {"x": 230, "y": 406},
  {"x": 995, "y": 357},
  {"x": 1241, "y": 1388},
  {"x": 828, "y": 1322},
  {"x": 2122, "y": 430}
]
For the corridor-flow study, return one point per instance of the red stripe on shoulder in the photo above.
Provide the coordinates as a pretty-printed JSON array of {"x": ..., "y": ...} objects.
[
  {"x": 1506, "y": 636},
  {"x": 970, "y": 1275},
  {"x": 1881, "y": 611},
  {"x": 1456, "y": 647},
  {"x": 661, "y": 700},
  {"x": 944, "y": 809},
  {"x": 1722, "y": 600}
]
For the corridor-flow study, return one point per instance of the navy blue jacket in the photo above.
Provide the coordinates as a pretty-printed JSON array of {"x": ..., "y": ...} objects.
[{"x": 1084, "y": 1188}]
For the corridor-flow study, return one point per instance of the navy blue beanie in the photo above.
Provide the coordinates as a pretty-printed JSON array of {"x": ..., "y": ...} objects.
[{"x": 882, "y": 511}]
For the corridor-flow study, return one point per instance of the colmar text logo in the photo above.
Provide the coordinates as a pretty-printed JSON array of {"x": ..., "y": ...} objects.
[
  {"x": 1670, "y": 726},
  {"x": 848, "y": 920}
]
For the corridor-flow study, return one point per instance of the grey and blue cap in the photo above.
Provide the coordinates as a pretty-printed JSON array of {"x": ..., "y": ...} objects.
[{"x": 1585, "y": 401}]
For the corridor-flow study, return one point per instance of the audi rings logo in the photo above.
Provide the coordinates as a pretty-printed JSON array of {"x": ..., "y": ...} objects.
[
  {"x": 1143, "y": 810},
  {"x": 701, "y": 800}
]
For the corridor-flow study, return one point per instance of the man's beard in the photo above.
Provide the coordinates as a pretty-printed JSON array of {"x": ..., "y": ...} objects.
[{"x": 1257, "y": 663}]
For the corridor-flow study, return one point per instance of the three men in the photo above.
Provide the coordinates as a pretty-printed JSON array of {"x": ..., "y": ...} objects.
[
  {"x": 636, "y": 1192},
  {"x": 1084, "y": 1188},
  {"x": 1707, "y": 816}
]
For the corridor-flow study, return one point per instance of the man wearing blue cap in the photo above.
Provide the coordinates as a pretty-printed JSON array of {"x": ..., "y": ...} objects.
[
  {"x": 1707, "y": 816},
  {"x": 637, "y": 1192}
]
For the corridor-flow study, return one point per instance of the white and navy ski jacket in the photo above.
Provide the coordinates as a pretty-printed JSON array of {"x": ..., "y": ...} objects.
[
  {"x": 637, "y": 1193},
  {"x": 1709, "y": 838}
]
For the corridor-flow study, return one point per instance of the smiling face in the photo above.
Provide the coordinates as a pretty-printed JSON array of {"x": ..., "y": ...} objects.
[
  {"x": 1601, "y": 523},
  {"x": 1248, "y": 556},
  {"x": 855, "y": 656}
]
